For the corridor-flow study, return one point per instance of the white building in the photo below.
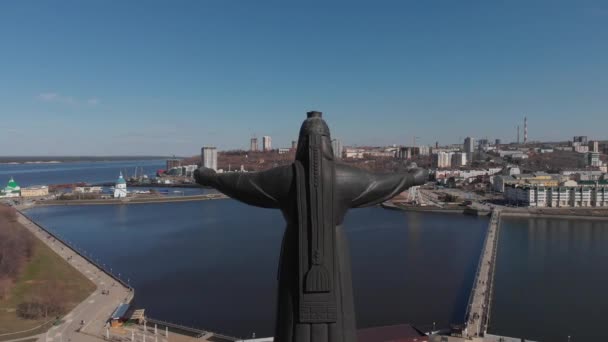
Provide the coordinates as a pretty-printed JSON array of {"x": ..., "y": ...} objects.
[
  {"x": 336, "y": 146},
  {"x": 442, "y": 159},
  {"x": 266, "y": 143},
  {"x": 424, "y": 150},
  {"x": 355, "y": 153},
  {"x": 571, "y": 194},
  {"x": 209, "y": 157},
  {"x": 120, "y": 188}
]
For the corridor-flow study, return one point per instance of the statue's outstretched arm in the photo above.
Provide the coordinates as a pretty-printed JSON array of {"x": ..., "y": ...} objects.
[
  {"x": 266, "y": 189},
  {"x": 365, "y": 188}
]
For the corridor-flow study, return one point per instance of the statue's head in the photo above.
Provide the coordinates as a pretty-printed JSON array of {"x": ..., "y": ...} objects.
[{"x": 314, "y": 127}]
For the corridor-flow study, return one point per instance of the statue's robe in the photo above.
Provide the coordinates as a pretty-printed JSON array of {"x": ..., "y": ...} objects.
[{"x": 277, "y": 188}]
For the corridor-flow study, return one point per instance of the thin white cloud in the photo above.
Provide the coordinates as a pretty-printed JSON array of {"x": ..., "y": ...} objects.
[{"x": 70, "y": 100}]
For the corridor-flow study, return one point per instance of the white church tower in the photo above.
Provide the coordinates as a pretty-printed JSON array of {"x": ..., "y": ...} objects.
[{"x": 120, "y": 189}]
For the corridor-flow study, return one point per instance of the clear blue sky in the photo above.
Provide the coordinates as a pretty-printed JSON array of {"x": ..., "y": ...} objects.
[{"x": 166, "y": 77}]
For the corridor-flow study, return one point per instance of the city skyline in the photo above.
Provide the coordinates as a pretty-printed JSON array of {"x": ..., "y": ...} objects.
[{"x": 187, "y": 75}]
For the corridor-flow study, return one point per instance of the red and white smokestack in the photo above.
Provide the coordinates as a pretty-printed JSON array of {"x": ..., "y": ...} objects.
[{"x": 525, "y": 129}]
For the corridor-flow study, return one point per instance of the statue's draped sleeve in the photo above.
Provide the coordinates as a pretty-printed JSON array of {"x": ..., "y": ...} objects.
[
  {"x": 266, "y": 189},
  {"x": 362, "y": 188}
]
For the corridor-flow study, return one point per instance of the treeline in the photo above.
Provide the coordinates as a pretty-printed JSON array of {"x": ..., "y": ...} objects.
[{"x": 16, "y": 247}]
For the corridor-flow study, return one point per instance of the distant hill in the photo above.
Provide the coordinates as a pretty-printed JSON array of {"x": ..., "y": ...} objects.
[{"x": 50, "y": 159}]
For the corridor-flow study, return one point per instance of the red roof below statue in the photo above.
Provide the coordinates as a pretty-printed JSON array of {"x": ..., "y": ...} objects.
[{"x": 391, "y": 333}]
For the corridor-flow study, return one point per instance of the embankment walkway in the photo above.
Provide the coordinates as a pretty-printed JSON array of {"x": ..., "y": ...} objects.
[{"x": 97, "y": 308}]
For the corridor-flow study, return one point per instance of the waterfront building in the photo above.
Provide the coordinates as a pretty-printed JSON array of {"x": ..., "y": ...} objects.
[
  {"x": 253, "y": 144},
  {"x": 88, "y": 189},
  {"x": 171, "y": 163},
  {"x": 209, "y": 157},
  {"x": 336, "y": 146},
  {"x": 469, "y": 148},
  {"x": 12, "y": 189},
  {"x": 580, "y": 196},
  {"x": 120, "y": 188},
  {"x": 266, "y": 143},
  {"x": 599, "y": 196},
  {"x": 558, "y": 197},
  {"x": 569, "y": 194},
  {"x": 35, "y": 191}
]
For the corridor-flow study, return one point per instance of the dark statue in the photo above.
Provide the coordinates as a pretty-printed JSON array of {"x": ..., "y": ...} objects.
[{"x": 315, "y": 299}]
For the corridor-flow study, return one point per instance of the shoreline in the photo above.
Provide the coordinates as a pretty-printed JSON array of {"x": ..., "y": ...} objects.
[
  {"x": 509, "y": 212},
  {"x": 128, "y": 200},
  {"x": 553, "y": 215}
]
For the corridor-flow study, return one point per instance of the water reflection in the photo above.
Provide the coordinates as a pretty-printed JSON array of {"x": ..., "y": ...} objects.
[
  {"x": 212, "y": 264},
  {"x": 550, "y": 281}
]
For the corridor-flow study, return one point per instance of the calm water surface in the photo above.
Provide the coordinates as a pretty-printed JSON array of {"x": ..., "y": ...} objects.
[
  {"x": 73, "y": 172},
  {"x": 213, "y": 264},
  {"x": 551, "y": 280}
]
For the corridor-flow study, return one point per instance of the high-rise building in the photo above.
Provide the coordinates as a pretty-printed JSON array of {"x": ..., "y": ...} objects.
[
  {"x": 336, "y": 145},
  {"x": 594, "y": 146},
  {"x": 253, "y": 146},
  {"x": 469, "y": 148},
  {"x": 404, "y": 153},
  {"x": 497, "y": 142},
  {"x": 442, "y": 159},
  {"x": 424, "y": 150},
  {"x": 459, "y": 159},
  {"x": 209, "y": 157},
  {"x": 580, "y": 139},
  {"x": 266, "y": 143},
  {"x": 294, "y": 144}
]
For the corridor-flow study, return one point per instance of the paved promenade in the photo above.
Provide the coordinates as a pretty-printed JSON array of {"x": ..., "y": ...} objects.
[
  {"x": 479, "y": 305},
  {"x": 96, "y": 309}
]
